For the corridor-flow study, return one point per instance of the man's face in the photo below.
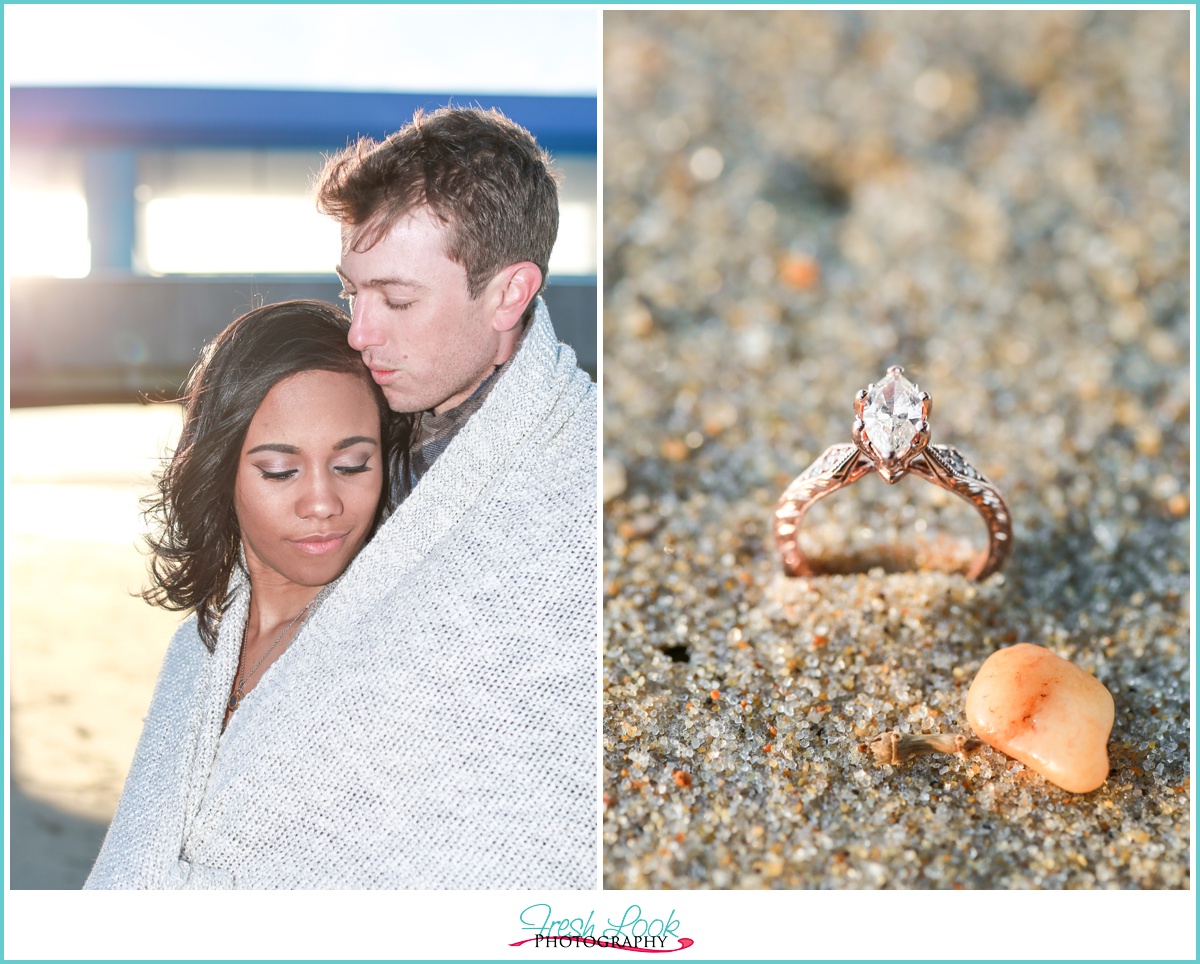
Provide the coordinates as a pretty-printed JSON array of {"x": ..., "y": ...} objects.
[{"x": 427, "y": 342}]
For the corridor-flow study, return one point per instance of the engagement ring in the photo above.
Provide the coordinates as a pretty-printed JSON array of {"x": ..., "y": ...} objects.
[{"x": 891, "y": 436}]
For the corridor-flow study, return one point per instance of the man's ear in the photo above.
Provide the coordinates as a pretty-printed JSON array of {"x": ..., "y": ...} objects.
[{"x": 517, "y": 285}]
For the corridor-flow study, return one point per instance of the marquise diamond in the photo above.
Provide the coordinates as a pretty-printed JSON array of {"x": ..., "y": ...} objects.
[{"x": 892, "y": 414}]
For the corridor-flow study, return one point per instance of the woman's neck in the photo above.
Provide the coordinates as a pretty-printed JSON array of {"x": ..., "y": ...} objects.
[{"x": 275, "y": 601}]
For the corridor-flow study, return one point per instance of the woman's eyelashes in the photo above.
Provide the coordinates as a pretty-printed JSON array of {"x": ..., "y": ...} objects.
[{"x": 280, "y": 475}]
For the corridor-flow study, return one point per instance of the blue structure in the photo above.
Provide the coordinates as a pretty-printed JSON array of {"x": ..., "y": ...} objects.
[{"x": 192, "y": 117}]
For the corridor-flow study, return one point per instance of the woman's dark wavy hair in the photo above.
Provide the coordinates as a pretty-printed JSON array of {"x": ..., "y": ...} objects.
[{"x": 196, "y": 540}]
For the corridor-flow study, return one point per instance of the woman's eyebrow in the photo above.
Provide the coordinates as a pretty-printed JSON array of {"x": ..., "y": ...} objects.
[
  {"x": 275, "y": 447},
  {"x": 354, "y": 440},
  {"x": 293, "y": 450}
]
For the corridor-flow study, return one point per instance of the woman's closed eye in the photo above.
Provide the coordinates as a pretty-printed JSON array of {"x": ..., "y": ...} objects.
[{"x": 283, "y": 474}]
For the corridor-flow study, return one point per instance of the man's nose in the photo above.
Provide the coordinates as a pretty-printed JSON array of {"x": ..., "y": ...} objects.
[{"x": 365, "y": 332}]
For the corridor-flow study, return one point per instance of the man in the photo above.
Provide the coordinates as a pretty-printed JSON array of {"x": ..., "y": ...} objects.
[
  {"x": 481, "y": 589},
  {"x": 447, "y": 230}
]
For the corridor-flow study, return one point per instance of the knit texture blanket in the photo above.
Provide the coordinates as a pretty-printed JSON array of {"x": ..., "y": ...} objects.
[{"x": 434, "y": 723}]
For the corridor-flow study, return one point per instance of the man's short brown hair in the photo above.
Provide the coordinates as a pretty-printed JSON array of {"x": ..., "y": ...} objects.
[{"x": 481, "y": 174}]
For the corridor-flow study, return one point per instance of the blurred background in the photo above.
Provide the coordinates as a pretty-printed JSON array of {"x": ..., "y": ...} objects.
[{"x": 158, "y": 186}]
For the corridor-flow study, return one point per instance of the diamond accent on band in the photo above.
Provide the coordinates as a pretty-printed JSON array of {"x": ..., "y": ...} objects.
[
  {"x": 892, "y": 414},
  {"x": 831, "y": 460},
  {"x": 953, "y": 459}
]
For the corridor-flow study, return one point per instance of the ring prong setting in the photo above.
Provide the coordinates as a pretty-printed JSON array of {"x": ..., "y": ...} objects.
[{"x": 892, "y": 423}]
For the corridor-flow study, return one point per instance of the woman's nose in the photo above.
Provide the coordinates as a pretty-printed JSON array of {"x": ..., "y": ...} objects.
[{"x": 318, "y": 498}]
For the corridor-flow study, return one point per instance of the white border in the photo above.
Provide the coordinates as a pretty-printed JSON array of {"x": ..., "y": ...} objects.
[
  {"x": 725, "y": 925},
  {"x": 808, "y": 925}
]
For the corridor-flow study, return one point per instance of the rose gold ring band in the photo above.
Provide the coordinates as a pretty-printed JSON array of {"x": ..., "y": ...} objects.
[{"x": 891, "y": 436}]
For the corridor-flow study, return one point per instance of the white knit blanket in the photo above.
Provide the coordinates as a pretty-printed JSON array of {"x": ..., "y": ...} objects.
[{"x": 433, "y": 725}]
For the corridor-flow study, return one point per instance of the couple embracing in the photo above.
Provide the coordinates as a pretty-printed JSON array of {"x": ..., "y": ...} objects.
[{"x": 384, "y": 528}]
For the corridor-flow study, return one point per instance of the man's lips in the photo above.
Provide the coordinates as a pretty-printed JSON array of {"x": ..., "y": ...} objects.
[
  {"x": 320, "y": 543},
  {"x": 382, "y": 375}
]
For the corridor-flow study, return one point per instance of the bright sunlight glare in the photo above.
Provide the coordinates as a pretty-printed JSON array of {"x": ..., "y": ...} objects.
[
  {"x": 225, "y": 234},
  {"x": 47, "y": 234}
]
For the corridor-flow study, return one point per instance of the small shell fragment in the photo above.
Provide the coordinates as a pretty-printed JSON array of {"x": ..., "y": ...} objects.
[
  {"x": 898, "y": 748},
  {"x": 1046, "y": 712}
]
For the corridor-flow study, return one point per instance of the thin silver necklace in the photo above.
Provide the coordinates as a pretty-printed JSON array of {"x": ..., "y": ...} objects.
[{"x": 239, "y": 691}]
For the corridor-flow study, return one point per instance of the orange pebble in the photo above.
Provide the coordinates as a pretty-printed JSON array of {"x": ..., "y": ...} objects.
[
  {"x": 1046, "y": 712},
  {"x": 799, "y": 271},
  {"x": 674, "y": 450}
]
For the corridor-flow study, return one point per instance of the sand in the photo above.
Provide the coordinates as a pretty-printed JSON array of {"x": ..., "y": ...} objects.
[
  {"x": 83, "y": 652},
  {"x": 794, "y": 201}
]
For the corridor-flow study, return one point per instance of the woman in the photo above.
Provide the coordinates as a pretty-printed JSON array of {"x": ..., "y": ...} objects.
[{"x": 278, "y": 480}]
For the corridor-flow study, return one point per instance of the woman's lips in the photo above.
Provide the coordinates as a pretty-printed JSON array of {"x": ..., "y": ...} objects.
[{"x": 319, "y": 545}]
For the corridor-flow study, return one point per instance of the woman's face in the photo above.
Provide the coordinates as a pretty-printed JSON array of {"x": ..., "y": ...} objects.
[{"x": 309, "y": 478}]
